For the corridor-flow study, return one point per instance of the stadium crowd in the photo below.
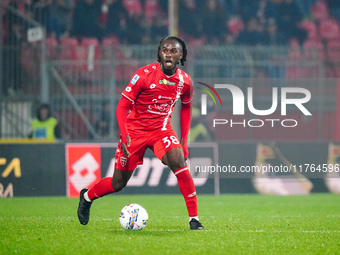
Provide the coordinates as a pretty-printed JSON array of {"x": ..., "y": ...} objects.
[
  {"x": 246, "y": 22},
  {"x": 77, "y": 25}
]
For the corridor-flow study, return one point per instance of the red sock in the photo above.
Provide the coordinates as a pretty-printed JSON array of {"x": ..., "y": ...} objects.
[
  {"x": 187, "y": 187},
  {"x": 101, "y": 188}
]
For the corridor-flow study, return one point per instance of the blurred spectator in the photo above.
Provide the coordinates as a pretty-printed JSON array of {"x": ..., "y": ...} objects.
[
  {"x": 231, "y": 6},
  {"x": 40, "y": 10},
  {"x": 133, "y": 6},
  {"x": 270, "y": 9},
  {"x": 334, "y": 7},
  {"x": 152, "y": 9},
  {"x": 136, "y": 29},
  {"x": 267, "y": 10},
  {"x": 164, "y": 6},
  {"x": 229, "y": 38},
  {"x": 249, "y": 9},
  {"x": 198, "y": 131},
  {"x": 86, "y": 19},
  {"x": 60, "y": 20},
  {"x": 189, "y": 18},
  {"x": 272, "y": 36},
  {"x": 117, "y": 18},
  {"x": 12, "y": 81},
  {"x": 214, "y": 21},
  {"x": 159, "y": 29},
  {"x": 252, "y": 35},
  {"x": 23, "y": 8},
  {"x": 305, "y": 6},
  {"x": 44, "y": 126},
  {"x": 103, "y": 125},
  {"x": 16, "y": 29},
  {"x": 288, "y": 16}
]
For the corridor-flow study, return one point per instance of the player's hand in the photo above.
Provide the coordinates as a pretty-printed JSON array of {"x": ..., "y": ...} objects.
[
  {"x": 126, "y": 145},
  {"x": 185, "y": 149}
]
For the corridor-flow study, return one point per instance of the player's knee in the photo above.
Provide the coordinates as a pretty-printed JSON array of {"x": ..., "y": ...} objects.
[
  {"x": 174, "y": 159},
  {"x": 118, "y": 185},
  {"x": 176, "y": 164}
]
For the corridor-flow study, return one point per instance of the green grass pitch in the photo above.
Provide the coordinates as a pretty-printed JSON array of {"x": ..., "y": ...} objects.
[{"x": 235, "y": 224}]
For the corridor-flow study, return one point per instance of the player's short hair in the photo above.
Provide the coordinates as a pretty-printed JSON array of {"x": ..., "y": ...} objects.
[{"x": 180, "y": 41}]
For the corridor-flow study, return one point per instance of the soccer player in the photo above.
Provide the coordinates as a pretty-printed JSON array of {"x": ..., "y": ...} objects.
[{"x": 143, "y": 115}]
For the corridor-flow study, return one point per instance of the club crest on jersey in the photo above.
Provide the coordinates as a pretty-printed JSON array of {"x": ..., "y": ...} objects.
[
  {"x": 180, "y": 87},
  {"x": 134, "y": 79},
  {"x": 123, "y": 161},
  {"x": 166, "y": 82}
]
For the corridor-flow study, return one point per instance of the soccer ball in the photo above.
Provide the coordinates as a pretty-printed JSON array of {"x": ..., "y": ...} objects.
[{"x": 133, "y": 216}]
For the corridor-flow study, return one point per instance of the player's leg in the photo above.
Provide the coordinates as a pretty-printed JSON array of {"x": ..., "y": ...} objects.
[
  {"x": 169, "y": 150},
  {"x": 124, "y": 167},
  {"x": 104, "y": 187},
  {"x": 109, "y": 185}
]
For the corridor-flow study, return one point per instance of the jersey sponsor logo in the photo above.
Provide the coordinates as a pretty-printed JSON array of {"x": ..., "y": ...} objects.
[
  {"x": 134, "y": 79},
  {"x": 163, "y": 97},
  {"x": 128, "y": 89},
  {"x": 152, "y": 86},
  {"x": 123, "y": 161},
  {"x": 166, "y": 82},
  {"x": 160, "y": 108}
]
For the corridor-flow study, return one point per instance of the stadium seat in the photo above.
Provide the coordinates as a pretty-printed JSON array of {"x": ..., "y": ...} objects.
[
  {"x": 68, "y": 54},
  {"x": 108, "y": 44},
  {"x": 4, "y": 34},
  {"x": 235, "y": 25},
  {"x": 151, "y": 9},
  {"x": 297, "y": 72},
  {"x": 76, "y": 127},
  {"x": 88, "y": 53},
  {"x": 329, "y": 29},
  {"x": 310, "y": 27},
  {"x": 27, "y": 54},
  {"x": 6, "y": 2},
  {"x": 296, "y": 57},
  {"x": 112, "y": 40},
  {"x": 133, "y": 6},
  {"x": 110, "y": 51},
  {"x": 334, "y": 58},
  {"x": 196, "y": 42},
  {"x": 68, "y": 48},
  {"x": 319, "y": 10},
  {"x": 51, "y": 47},
  {"x": 313, "y": 48},
  {"x": 295, "y": 54},
  {"x": 125, "y": 66}
]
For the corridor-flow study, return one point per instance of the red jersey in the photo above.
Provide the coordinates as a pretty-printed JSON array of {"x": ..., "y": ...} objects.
[{"x": 154, "y": 96}]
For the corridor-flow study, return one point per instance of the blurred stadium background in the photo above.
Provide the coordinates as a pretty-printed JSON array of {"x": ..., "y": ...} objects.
[{"x": 78, "y": 55}]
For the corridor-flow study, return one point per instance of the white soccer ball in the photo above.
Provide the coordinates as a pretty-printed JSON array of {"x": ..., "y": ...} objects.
[{"x": 134, "y": 217}]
